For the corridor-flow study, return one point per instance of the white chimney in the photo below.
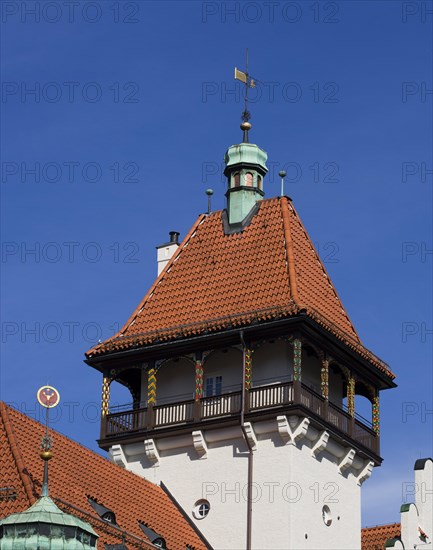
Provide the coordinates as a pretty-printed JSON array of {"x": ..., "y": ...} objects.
[{"x": 164, "y": 252}]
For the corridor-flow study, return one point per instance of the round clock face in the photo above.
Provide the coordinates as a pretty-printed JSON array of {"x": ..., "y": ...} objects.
[{"x": 48, "y": 396}]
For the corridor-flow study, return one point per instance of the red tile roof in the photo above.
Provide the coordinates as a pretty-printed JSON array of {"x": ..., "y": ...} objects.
[
  {"x": 75, "y": 474},
  {"x": 214, "y": 280},
  {"x": 374, "y": 538}
]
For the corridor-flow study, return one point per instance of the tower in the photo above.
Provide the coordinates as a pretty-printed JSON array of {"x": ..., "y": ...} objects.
[
  {"x": 245, "y": 170},
  {"x": 243, "y": 368}
]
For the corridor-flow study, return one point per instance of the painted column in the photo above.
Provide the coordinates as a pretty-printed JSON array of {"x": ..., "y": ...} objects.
[
  {"x": 324, "y": 379},
  {"x": 297, "y": 361},
  {"x": 351, "y": 403},
  {"x": 351, "y": 395},
  {"x": 151, "y": 395},
  {"x": 247, "y": 378},
  {"x": 198, "y": 378},
  {"x": 199, "y": 361},
  {"x": 376, "y": 413},
  {"x": 151, "y": 386},
  {"x": 248, "y": 368},
  {"x": 105, "y": 405},
  {"x": 297, "y": 369},
  {"x": 324, "y": 386}
]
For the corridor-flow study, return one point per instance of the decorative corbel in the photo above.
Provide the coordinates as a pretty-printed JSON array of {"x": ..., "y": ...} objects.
[
  {"x": 151, "y": 451},
  {"x": 251, "y": 436},
  {"x": 117, "y": 455},
  {"x": 347, "y": 460},
  {"x": 287, "y": 434},
  {"x": 199, "y": 443},
  {"x": 365, "y": 472},
  {"x": 320, "y": 443}
]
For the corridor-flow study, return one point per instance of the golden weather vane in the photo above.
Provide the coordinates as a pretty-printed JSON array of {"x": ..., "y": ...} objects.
[{"x": 245, "y": 77}]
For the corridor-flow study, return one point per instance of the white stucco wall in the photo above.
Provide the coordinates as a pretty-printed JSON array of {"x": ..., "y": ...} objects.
[
  {"x": 311, "y": 367},
  {"x": 175, "y": 382},
  {"x": 226, "y": 363},
  {"x": 303, "y": 485},
  {"x": 272, "y": 363},
  {"x": 290, "y": 487},
  {"x": 424, "y": 497}
]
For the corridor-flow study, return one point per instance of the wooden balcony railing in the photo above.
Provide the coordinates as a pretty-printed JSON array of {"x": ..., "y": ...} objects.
[
  {"x": 273, "y": 395},
  {"x": 260, "y": 399},
  {"x": 222, "y": 405}
]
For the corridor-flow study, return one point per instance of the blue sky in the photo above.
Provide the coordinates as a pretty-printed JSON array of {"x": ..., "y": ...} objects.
[{"x": 133, "y": 107}]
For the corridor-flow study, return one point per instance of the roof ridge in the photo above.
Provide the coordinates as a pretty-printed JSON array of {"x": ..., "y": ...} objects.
[
  {"x": 301, "y": 225},
  {"x": 284, "y": 204},
  {"x": 16, "y": 453},
  {"x": 382, "y": 525}
]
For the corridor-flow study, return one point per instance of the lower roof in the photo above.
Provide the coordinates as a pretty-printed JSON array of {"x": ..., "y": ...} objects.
[
  {"x": 77, "y": 473},
  {"x": 374, "y": 538}
]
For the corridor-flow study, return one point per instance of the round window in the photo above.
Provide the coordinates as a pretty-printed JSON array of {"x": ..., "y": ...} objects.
[
  {"x": 326, "y": 515},
  {"x": 201, "y": 509}
]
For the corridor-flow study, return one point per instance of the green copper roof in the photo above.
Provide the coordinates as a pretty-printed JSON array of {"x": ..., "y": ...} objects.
[
  {"x": 45, "y": 527},
  {"x": 246, "y": 153},
  {"x": 45, "y": 511},
  {"x": 405, "y": 507}
]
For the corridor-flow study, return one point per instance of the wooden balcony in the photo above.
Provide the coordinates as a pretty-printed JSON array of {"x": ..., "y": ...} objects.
[{"x": 261, "y": 402}]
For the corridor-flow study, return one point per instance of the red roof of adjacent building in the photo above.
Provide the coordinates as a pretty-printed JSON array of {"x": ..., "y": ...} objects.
[
  {"x": 76, "y": 473},
  {"x": 374, "y": 538},
  {"x": 269, "y": 270}
]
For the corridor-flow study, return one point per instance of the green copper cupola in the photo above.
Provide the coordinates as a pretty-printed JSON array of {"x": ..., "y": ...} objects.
[
  {"x": 44, "y": 526},
  {"x": 245, "y": 170}
]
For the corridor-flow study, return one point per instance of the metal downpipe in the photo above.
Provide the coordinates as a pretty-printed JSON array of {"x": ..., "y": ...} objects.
[{"x": 250, "y": 450}]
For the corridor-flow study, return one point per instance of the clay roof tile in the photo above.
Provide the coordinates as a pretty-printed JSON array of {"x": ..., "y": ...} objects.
[
  {"x": 76, "y": 473},
  {"x": 271, "y": 265},
  {"x": 374, "y": 538}
]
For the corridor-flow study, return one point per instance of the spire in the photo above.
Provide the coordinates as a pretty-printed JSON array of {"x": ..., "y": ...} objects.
[
  {"x": 44, "y": 524},
  {"x": 48, "y": 397},
  {"x": 46, "y": 455},
  {"x": 249, "y": 83}
]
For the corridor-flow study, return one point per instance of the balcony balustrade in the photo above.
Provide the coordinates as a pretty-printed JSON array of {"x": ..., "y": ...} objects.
[{"x": 280, "y": 397}]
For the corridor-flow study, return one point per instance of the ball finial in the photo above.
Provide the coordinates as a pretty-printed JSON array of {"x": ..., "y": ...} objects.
[
  {"x": 245, "y": 126},
  {"x": 282, "y": 173},
  {"x": 46, "y": 455}
]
